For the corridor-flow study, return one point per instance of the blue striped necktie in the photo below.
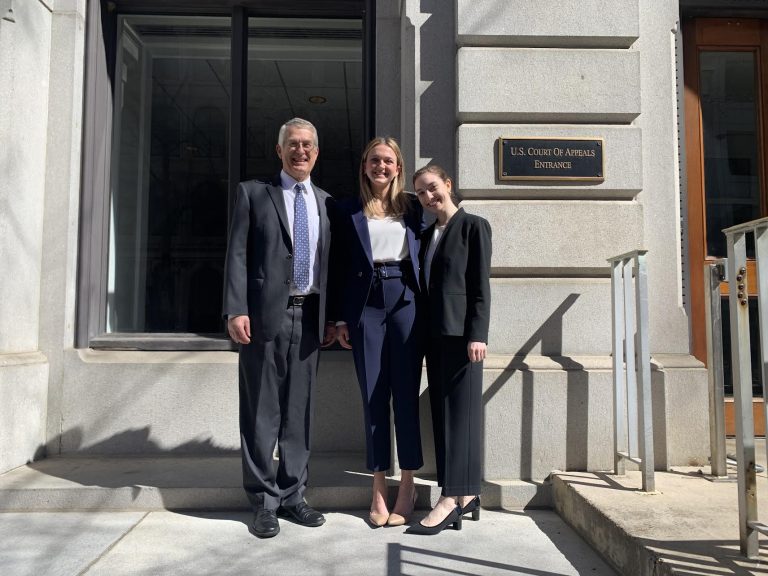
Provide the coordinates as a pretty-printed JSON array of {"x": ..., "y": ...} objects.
[{"x": 300, "y": 241}]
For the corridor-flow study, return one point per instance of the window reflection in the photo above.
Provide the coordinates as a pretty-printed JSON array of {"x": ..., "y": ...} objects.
[
  {"x": 729, "y": 118},
  {"x": 170, "y": 162},
  {"x": 311, "y": 68},
  {"x": 169, "y": 168}
]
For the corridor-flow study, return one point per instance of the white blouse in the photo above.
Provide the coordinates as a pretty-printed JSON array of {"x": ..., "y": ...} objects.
[{"x": 388, "y": 242}]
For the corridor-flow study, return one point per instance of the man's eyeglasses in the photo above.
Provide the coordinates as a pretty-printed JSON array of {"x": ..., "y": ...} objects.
[{"x": 294, "y": 145}]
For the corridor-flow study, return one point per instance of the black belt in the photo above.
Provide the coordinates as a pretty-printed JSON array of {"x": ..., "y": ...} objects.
[
  {"x": 301, "y": 300},
  {"x": 393, "y": 269}
]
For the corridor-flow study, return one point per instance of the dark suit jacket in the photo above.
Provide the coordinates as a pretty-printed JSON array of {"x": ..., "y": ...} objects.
[
  {"x": 353, "y": 258},
  {"x": 259, "y": 264},
  {"x": 459, "y": 292}
]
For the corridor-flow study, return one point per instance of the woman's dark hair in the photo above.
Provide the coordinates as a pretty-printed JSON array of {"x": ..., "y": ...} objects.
[{"x": 440, "y": 172}]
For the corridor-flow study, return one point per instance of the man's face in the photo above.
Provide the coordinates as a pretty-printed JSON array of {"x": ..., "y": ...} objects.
[{"x": 299, "y": 154}]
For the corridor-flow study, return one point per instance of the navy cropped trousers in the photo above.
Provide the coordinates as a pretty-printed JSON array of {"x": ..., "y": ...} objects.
[{"x": 388, "y": 352}]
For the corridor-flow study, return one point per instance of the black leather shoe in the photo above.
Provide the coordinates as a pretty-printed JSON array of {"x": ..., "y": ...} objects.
[
  {"x": 303, "y": 514},
  {"x": 472, "y": 506},
  {"x": 454, "y": 518},
  {"x": 265, "y": 524}
]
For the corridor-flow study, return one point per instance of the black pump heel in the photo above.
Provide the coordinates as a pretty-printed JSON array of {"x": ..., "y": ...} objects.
[
  {"x": 474, "y": 507},
  {"x": 454, "y": 518}
]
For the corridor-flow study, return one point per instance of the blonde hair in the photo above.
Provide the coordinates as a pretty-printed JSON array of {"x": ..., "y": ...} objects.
[{"x": 397, "y": 202}]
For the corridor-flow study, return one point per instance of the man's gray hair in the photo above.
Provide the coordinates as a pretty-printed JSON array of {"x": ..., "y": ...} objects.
[{"x": 296, "y": 123}]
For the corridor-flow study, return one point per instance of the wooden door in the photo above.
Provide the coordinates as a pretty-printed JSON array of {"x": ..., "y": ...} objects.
[{"x": 725, "y": 115}]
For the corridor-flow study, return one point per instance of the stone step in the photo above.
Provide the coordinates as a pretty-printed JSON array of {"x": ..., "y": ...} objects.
[
  {"x": 338, "y": 481},
  {"x": 688, "y": 525}
]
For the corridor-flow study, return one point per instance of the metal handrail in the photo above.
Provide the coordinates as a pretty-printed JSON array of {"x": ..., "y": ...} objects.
[
  {"x": 736, "y": 237},
  {"x": 632, "y": 412},
  {"x": 714, "y": 275}
]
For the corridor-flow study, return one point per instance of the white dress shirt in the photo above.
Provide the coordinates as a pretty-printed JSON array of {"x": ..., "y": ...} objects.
[{"x": 313, "y": 217}]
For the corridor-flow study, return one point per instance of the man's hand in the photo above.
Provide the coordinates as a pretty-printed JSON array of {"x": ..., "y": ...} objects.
[
  {"x": 342, "y": 335},
  {"x": 239, "y": 328},
  {"x": 330, "y": 334},
  {"x": 476, "y": 351}
]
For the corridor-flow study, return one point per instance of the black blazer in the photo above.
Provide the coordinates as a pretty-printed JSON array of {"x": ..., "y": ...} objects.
[
  {"x": 259, "y": 263},
  {"x": 352, "y": 269},
  {"x": 458, "y": 297}
]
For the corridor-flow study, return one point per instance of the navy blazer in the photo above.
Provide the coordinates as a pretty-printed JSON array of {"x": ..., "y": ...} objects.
[
  {"x": 458, "y": 297},
  {"x": 352, "y": 259},
  {"x": 259, "y": 262}
]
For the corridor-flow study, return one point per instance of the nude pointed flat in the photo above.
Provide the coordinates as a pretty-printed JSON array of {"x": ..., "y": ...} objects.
[
  {"x": 401, "y": 519},
  {"x": 397, "y": 520},
  {"x": 377, "y": 519}
]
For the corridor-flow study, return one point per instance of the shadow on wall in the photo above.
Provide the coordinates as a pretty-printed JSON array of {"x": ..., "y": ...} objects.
[
  {"x": 575, "y": 410},
  {"x": 437, "y": 60},
  {"x": 143, "y": 466},
  {"x": 135, "y": 442}
]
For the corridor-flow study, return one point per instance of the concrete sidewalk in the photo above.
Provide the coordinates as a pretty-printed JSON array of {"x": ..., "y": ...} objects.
[
  {"x": 172, "y": 543},
  {"x": 96, "y": 515}
]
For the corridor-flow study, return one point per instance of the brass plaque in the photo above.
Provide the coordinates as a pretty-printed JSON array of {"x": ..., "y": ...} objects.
[{"x": 551, "y": 159}]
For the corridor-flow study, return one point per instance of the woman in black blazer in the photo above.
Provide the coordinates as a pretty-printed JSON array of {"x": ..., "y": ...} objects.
[
  {"x": 375, "y": 261},
  {"x": 455, "y": 262}
]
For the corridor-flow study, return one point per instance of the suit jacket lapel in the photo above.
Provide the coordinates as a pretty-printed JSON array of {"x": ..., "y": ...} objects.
[
  {"x": 452, "y": 223},
  {"x": 361, "y": 226},
  {"x": 426, "y": 239},
  {"x": 324, "y": 222},
  {"x": 275, "y": 192},
  {"x": 412, "y": 231}
]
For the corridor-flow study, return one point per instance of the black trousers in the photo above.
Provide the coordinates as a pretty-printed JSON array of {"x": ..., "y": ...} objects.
[
  {"x": 276, "y": 382},
  {"x": 455, "y": 396}
]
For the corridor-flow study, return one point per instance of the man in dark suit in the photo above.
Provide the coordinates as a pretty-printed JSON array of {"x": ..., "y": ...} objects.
[{"x": 274, "y": 302}]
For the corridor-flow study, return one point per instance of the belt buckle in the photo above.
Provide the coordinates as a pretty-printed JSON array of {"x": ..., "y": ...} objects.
[
  {"x": 298, "y": 300},
  {"x": 383, "y": 271}
]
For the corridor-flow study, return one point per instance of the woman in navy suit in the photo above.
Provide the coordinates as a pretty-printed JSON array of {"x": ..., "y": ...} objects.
[
  {"x": 455, "y": 265},
  {"x": 376, "y": 247}
]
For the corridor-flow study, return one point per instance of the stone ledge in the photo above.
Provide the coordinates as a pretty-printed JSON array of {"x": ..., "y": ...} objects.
[
  {"x": 22, "y": 359},
  {"x": 337, "y": 481},
  {"x": 555, "y": 363},
  {"x": 677, "y": 361},
  {"x": 90, "y": 356},
  {"x": 659, "y": 362}
]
